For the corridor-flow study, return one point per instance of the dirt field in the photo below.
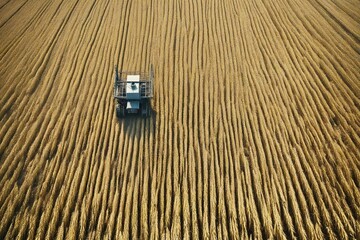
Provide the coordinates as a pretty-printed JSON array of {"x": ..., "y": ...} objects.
[{"x": 255, "y": 129}]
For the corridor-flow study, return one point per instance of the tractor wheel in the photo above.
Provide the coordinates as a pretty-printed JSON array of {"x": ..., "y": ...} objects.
[
  {"x": 148, "y": 110},
  {"x": 145, "y": 109},
  {"x": 120, "y": 111}
]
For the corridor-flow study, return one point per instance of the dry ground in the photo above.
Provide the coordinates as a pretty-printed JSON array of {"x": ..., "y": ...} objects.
[{"x": 255, "y": 131}]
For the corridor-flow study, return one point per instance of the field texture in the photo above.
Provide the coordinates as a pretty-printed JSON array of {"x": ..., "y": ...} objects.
[{"x": 254, "y": 133}]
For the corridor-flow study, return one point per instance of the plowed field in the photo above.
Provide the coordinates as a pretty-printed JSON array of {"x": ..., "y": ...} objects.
[{"x": 254, "y": 130}]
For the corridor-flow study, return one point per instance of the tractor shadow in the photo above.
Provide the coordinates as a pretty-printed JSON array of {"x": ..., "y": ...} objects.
[{"x": 136, "y": 126}]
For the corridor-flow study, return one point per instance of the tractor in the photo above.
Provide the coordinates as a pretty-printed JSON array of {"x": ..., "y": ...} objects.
[{"x": 133, "y": 91}]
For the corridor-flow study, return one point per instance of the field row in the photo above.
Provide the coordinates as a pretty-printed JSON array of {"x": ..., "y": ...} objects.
[{"x": 254, "y": 133}]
